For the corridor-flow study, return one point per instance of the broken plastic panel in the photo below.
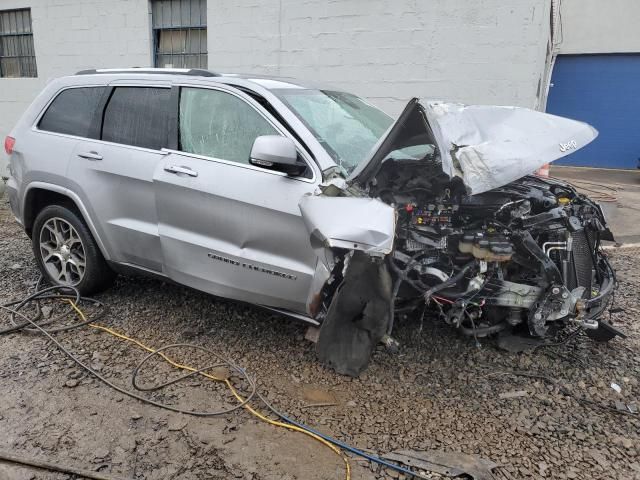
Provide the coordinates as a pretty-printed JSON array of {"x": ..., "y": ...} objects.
[{"x": 364, "y": 224}]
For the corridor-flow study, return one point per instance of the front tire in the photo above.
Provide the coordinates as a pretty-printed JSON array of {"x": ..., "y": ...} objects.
[{"x": 66, "y": 252}]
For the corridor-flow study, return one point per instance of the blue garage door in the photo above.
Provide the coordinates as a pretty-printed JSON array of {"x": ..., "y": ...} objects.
[{"x": 603, "y": 90}]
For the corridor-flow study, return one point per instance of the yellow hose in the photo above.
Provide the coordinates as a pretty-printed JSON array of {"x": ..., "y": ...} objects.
[{"x": 235, "y": 393}]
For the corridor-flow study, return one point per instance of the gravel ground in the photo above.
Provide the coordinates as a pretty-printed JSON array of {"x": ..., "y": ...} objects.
[{"x": 440, "y": 392}]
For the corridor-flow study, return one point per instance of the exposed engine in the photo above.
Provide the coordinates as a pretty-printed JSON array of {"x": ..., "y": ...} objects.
[
  {"x": 526, "y": 254},
  {"x": 444, "y": 209}
]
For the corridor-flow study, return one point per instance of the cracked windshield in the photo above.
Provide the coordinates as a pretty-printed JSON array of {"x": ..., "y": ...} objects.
[{"x": 345, "y": 125}]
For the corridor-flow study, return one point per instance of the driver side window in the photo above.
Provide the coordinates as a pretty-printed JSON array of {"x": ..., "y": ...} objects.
[{"x": 219, "y": 125}]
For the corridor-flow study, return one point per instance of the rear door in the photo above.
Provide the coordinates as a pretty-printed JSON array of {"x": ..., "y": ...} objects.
[
  {"x": 227, "y": 227},
  {"x": 114, "y": 173}
]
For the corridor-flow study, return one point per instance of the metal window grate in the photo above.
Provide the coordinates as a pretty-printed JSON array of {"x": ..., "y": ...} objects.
[
  {"x": 17, "y": 56},
  {"x": 179, "y": 33}
]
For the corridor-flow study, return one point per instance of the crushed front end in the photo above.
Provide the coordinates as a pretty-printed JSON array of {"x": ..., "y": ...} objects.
[
  {"x": 444, "y": 221},
  {"x": 526, "y": 255}
]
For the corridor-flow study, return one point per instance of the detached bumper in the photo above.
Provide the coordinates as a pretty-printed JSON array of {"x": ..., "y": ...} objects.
[
  {"x": 589, "y": 311},
  {"x": 592, "y": 308}
]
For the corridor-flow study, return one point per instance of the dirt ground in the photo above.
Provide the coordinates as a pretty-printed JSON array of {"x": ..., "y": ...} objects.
[
  {"x": 618, "y": 191},
  {"x": 439, "y": 392}
]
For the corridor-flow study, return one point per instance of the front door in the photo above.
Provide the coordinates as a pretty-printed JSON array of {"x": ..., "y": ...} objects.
[{"x": 227, "y": 227}]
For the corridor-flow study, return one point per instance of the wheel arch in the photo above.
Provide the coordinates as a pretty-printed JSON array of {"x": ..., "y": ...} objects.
[{"x": 38, "y": 195}]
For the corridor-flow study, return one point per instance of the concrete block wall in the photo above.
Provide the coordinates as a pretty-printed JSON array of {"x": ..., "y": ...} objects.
[
  {"x": 71, "y": 35},
  {"x": 594, "y": 26},
  {"x": 485, "y": 51}
]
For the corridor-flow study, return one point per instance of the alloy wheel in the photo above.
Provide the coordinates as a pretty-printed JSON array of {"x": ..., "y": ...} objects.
[{"x": 62, "y": 252}]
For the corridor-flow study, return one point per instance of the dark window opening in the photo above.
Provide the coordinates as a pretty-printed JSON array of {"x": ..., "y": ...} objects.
[
  {"x": 179, "y": 33},
  {"x": 138, "y": 116},
  {"x": 73, "y": 111},
  {"x": 17, "y": 56}
]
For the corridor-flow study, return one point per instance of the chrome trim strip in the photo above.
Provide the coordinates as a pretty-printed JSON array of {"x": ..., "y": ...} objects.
[
  {"x": 101, "y": 142},
  {"x": 240, "y": 165},
  {"x": 295, "y": 315},
  {"x": 144, "y": 269}
]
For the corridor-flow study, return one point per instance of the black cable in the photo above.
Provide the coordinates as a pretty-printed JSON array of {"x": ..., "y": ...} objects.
[
  {"x": 561, "y": 342},
  {"x": 344, "y": 446},
  {"x": 451, "y": 281},
  {"x": 14, "y": 309},
  {"x": 46, "y": 294},
  {"x": 402, "y": 276},
  {"x": 136, "y": 370},
  {"x": 475, "y": 331}
]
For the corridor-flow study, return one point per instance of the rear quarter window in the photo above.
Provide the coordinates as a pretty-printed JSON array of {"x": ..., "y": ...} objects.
[{"x": 72, "y": 112}]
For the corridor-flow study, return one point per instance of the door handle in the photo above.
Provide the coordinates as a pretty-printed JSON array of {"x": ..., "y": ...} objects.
[
  {"x": 178, "y": 169},
  {"x": 90, "y": 155}
]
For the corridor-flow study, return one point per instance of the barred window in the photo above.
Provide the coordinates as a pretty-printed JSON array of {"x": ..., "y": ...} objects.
[
  {"x": 17, "y": 56},
  {"x": 180, "y": 33}
]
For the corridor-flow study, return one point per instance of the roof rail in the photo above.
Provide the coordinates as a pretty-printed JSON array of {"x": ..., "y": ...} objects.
[{"x": 195, "y": 72}]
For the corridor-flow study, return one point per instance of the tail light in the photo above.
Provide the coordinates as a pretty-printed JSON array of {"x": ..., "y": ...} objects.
[{"x": 9, "y": 142}]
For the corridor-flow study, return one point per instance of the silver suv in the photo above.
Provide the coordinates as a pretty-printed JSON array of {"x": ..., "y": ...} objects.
[{"x": 311, "y": 201}]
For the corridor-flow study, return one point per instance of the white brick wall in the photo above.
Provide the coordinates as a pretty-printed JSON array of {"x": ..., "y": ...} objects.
[
  {"x": 594, "y": 26},
  {"x": 485, "y": 51},
  {"x": 71, "y": 35},
  {"x": 481, "y": 51}
]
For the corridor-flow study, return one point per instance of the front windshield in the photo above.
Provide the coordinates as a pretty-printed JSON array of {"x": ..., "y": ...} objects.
[{"x": 345, "y": 125}]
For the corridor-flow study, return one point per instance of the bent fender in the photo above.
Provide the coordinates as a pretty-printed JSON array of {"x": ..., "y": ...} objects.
[{"x": 352, "y": 223}]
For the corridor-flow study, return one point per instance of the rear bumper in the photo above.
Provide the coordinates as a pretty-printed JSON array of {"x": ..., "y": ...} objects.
[{"x": 12, "y": 193}]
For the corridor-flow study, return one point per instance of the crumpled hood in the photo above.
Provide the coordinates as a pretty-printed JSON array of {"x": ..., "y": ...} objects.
[{"x": 486, "y": 146}]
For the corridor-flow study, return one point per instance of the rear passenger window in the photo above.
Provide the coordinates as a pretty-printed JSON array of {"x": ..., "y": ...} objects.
[
  {"x": 72, "y": 111},
  {"x": 138, "y": 116}
]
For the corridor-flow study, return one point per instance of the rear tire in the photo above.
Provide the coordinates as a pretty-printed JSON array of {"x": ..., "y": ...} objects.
[{"x": 66, "y": 252}]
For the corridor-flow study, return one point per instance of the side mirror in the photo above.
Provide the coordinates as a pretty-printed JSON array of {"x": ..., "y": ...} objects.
[{"x": 276, "y": 153}]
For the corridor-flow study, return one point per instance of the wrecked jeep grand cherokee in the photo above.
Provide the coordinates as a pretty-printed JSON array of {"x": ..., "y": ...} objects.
[{"x": 311, "y": 202}]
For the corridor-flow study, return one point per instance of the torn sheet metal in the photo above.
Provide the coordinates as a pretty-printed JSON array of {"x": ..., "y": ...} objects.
[
  {"x": 451, "y": 464},
  {"x": 352, "y": 223},
  {"x": 486, "y": 146},
  {"x": 358, "y": 316},
  {"x": 491, "y": 146}
]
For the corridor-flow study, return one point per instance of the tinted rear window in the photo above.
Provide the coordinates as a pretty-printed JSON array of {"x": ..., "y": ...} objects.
[
  {"x": 138, "y": 116},
  {"x": 72, "y": 111}
]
